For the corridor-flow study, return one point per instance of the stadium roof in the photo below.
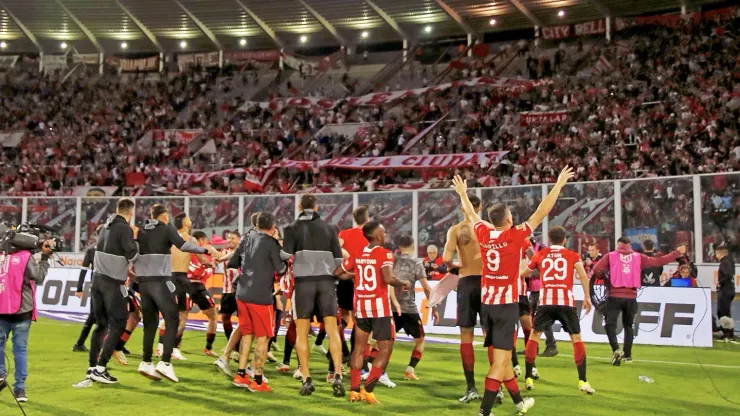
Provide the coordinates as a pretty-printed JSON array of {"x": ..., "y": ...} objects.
[{"x": 163, "y": 25}]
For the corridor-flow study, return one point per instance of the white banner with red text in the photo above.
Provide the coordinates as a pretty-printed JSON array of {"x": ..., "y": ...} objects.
[
  {"x": 527, "y": 118},
  {"x": 381, "y": 98},
  {"x": 133, "y": 65},
  {"x": 448, "y": 161}
]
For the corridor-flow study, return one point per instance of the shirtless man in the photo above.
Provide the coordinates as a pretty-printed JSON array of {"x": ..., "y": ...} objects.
[{"x": 461, "y": 239}]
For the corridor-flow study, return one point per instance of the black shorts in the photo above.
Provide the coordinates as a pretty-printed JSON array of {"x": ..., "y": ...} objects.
[
  {"x": 346, "y": 295},
  {"x": 182, "y": 289},
  {"x": 500, "y": 323},
  {"x": 200, "y": 296},
  {"x": 321, "y": 294},
  {"x": 133, "y": 301},
  {"x": 410, "y": 323},
  {"x": 524, "y": 307},
  {"x": 567, "y": 315},
  {"x": 383, "y": 329},
  {"x": 468, "y": 301},
  {"x": 228, "y": 304}
]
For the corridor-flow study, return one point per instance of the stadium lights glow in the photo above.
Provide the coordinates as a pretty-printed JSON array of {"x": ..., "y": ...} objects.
[
  {"x": 428, "y": 29},
  {"x": 365, "y": 35},
  {"x": 183, "y": 44},
  {"x": 304, "y": 38},
  {"x": 124, "y": 45},
  {"x": 242, "y": 42},
  {"x": 561, "y": 13},
  {"x": 3, "y": 45},
  {"x": 492, "y": 22},
  {"x": 63, "y": 45}
]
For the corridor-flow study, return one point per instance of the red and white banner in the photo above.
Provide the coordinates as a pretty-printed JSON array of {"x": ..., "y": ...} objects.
[
  {"x": 674, "y": 20},
  {"x": 180, "y": 136},
  {"x": 448, "y": 161},
  {"x": 382, "y": 98},
  {"x": 84, "y": 191},
  {"x": 593, "y": 27},
  {"x": 603, "y": 65},
  {"x": 527, "y": 118},
  {"x": 133, "y": 65},
  {"x": 311, "y": 66},
  {"x": 244, "y": 56},
  {"x": 209, "y": 59}
]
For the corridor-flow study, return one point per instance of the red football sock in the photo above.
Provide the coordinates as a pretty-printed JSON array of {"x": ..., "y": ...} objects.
[
  {"x": 513, "y": 388},
  {"x": 372, "y": 379},
  {"x": 354, "y": 379},
  {"x": 415, "y": 358},
  {"x": 468, "y": 356}
]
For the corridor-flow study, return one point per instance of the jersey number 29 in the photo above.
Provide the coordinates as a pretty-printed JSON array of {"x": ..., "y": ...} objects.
[{"x": 555, "y": 269}]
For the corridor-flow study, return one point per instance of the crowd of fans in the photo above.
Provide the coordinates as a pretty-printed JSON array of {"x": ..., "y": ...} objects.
[{"x": 668, "y": 105}]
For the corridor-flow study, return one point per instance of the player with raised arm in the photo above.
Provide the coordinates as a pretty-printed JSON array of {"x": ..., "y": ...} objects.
[
  {"x": 501, "y": 244},
  {"x": 461, "y": 239},
  {"x": 372, "y": 270},
  {"x": 557, "y": 266}
]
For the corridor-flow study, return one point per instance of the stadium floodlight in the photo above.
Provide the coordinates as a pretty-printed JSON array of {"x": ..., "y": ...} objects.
[
  {"x": 242, "y": 42},
  {"x": 304, "y": 38},
  {"x": 63, "y": 45},
  {"x": 3, "y": 45},
  {"x": 492, "y": 22},
  {"x": 428, "y": 29},
  {"x": 365, "y": 34},
  {"x": 124, "y": 45},
  {"x": 561, "y": 13},
  {"x": 183, "y": 44}
]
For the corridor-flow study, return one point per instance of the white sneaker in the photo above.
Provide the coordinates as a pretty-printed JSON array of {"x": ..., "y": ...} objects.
[
  {"x": 319, "y": 349},
  {"x": 235, "y": 355},
  {"x": 271, "y": 358},
  {"x": 120, "y": 357},
  {"x": 386, "y": 381},
  {"x": 158, "y": 351},
  {"x": 223, "y": 367},
  {"x": 517, "y": 371},
  {"x": 167, "y": 371},
  {"x": 365, "y": 375},
  {"x": 177, "y": 355},
  {"x": 297, "y": 374},
  {"x": 525, "y": 405},
  {"x": 535, "y": 373},
  {"x": 250, "y": 373},
  {"x": 147, "y": 370}
]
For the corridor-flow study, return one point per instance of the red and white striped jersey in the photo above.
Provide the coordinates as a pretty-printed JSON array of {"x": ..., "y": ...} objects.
[
  {"x": 287, "y": 282},
  {"x": 372, "y": 299},
  {"x": 502, "y": 254},
  {"x": 199, "y": 271},
  {"x": 557, "y": 267},
  {"x": 230, "y": 275}
]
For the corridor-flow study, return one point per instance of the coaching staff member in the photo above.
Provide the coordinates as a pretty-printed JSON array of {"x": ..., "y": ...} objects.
[
  {"x": 116, "y": 248},
  {"x": 725, "y": 288},
  {"x": 154, "y": 274},
  {"x": 625, "y": 268},
  {"x": 316, "y": 251}
]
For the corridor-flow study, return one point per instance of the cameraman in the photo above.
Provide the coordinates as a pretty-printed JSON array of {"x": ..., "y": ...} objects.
[{"x": 19, "y": 275}]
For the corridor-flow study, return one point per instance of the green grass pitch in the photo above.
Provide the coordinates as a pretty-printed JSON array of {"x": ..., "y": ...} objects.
[{"x": 681, "y": 386}]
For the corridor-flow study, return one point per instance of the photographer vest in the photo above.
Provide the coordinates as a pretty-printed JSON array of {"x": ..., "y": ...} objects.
[
  {"x": 12, "y": 270},
  {"x": 624, "y": 269}
]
